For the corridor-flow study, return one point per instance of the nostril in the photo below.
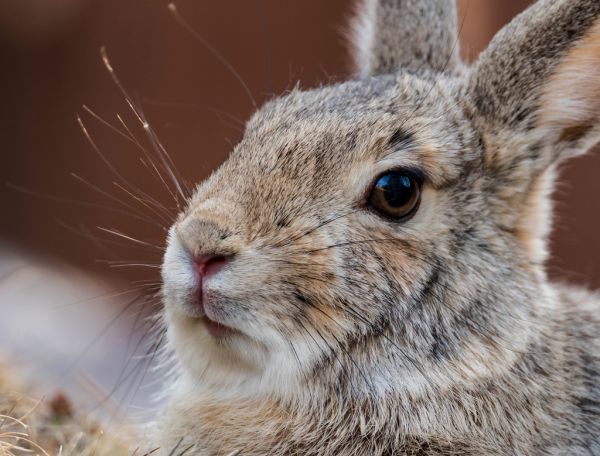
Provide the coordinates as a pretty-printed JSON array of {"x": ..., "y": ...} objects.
[
  {"x": 214, "y": 265},
  {"x": 208, "y": 266}
]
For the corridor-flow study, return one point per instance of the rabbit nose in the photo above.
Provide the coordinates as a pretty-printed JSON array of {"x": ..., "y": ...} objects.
[
  {"x": 206, "y": 242},
  {"x": 209, "y": 265}
]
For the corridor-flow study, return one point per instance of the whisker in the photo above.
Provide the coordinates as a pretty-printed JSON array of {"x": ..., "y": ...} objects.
[
  {"x": 341, "y": 345},
  {"x": 127, "y": 372},
  {"x": 403, "y": 353},
  {"x": 106, "y": 123},
  {"x": 101, "y": 241},
  {"x": 134, "y": 192},
  {"x": 150, "y": 134},
  {"x": 361, "y": 241},
  {"x": 147, "y": 156},
  {"x": 101, "y": 155},
  {"x": 473, "y": 325},
  {"x": 110, "y": 295},
  {"x": 164, "y": 215},
  {"x": 291, "y": 239},
  {"x": 61, "y": 199},
  {"x": 132, "y": 239},
  {"x": 132, "y": 265},
  {"x": 133, "y": 375},
  {"x": 238, "y": 121},
  {"x": 161, "y": 178},
  {"x": 216, "y": 53},
  {"x": 163, "y": 154},
  {"x": 98, "y": 336},
  {"x": 422, "y": 258},
  {"x": 106, "y": 194}
]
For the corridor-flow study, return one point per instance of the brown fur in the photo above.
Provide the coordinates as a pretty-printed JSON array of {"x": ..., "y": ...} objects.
[{"x": 360, "y": 335}]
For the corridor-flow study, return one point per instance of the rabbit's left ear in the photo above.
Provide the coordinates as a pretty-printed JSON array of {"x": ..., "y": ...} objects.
[
  {"x": 534, "y": 97},
  {"x": 535, "y": 91},
  {"x": 412, "y": 34}
]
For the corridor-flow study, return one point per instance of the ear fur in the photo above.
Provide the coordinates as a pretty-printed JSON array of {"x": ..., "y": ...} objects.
[
  {"x": 535, "y": 98},
  {"x": 540, "y": 77},
  {"x": 412, "y": 34}
]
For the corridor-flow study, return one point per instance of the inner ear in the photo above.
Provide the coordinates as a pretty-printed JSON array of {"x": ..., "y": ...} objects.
[{"x": 570, "y": 107}]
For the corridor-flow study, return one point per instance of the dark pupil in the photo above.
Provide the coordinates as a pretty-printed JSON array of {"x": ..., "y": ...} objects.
[{"x": 396, "y": 189}]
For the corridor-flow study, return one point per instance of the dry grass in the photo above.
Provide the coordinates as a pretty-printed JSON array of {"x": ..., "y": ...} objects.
[{"x": 51, "y": 427}]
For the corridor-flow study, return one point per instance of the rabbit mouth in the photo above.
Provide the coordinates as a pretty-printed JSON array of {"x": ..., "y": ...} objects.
[
  {"x": 218, "y": 330},
  {"x": 207, "y": 312}
]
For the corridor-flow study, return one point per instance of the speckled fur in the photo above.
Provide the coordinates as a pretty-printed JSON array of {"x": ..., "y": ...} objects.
[{"x": 440, "y": 335}]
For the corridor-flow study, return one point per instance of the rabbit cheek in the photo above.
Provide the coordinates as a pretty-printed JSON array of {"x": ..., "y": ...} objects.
[{"x": 333, "y": 323}]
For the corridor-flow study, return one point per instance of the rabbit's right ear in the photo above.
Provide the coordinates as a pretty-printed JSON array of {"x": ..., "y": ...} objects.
[{"x": 413, "y": 34}]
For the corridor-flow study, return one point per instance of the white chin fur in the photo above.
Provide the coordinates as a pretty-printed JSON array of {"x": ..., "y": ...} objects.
[
  {"x": 235, "y": 368},
  {"x": 238, "y": 365}
]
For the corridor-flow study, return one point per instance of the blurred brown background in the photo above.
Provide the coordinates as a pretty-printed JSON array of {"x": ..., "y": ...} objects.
[{"x": 51, "y": 66}]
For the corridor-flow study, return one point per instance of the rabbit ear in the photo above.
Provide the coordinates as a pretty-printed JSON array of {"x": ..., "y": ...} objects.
[
  {"x": 412, "y": 34},
  {"x": 534, "y": 96},
  {"x": 539, "y": 83}
]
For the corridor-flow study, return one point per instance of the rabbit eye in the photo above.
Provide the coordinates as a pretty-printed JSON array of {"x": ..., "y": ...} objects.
[{"x": 395, "y": 194}]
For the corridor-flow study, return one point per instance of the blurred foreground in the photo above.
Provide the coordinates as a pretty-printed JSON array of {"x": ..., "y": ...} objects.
[{"x": 66, "y": 330}]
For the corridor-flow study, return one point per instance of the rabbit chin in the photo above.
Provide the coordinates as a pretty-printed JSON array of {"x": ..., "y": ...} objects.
[{"x": 233, "y": 364}]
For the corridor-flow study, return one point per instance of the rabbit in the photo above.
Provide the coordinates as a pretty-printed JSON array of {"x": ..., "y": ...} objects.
[{"x": 365, "y": 274}]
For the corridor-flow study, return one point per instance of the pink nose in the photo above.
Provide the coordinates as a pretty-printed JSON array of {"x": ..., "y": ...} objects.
[{"x": 207, "y": 266}]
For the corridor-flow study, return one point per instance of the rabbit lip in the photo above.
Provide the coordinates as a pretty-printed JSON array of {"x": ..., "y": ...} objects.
[
  {"x": 197, "y": 311},
  {"x": 204, "y": 310},
  {"x": 216, "y": 329}
]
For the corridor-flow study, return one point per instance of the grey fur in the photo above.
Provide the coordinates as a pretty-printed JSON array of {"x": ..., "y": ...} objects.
[
  {"x": 394, "y": 34},
  {"x": 440, "y": 335},
  {"x": 505, "y": 82}
]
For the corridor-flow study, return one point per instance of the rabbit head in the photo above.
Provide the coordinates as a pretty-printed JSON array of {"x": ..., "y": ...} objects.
[{"x": 388, "y": 233}]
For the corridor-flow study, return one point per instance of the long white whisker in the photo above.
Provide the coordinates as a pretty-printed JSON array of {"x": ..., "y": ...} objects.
[
  {"x": 151, "y": 135},
  {"x": 216, "y": 53},
  {"x": 130, "y": 238}
]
